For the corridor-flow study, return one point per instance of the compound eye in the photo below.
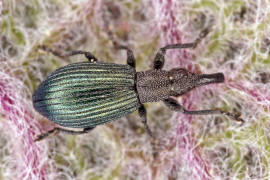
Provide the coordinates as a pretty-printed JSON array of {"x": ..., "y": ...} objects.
[
  {"x": 171, "y": 79},
  {"x": 173, "y": 91}
]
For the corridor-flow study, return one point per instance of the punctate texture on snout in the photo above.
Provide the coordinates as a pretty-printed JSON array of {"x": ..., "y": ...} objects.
[{"x": 87, "y": 94}]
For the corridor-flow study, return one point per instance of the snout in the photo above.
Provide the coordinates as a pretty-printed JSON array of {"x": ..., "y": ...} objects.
[
  {"x": 217, "y": 77},
  {"x": 210, "y": 78}
]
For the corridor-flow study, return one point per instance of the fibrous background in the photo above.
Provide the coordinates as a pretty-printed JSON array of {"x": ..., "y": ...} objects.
[{"x": 188, "y": 147}]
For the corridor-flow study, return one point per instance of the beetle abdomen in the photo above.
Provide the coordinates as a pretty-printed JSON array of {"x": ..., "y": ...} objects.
[{"x": 87, "y": 94}]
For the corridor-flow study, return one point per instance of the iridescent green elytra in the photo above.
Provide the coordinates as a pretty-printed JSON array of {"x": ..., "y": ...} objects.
[{"x": 87, "y": 94}]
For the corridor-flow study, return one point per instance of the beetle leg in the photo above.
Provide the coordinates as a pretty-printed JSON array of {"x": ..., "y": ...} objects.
[
  {"x": 175, "y": 106},
  {"x": 202, "y": 35},
  {"x": 88, "y": 55},
  {"x": 159, "y": 59},
  {"x": 130, "y": 57},
  {"x": 142, "y": 114},
  {"x": 56, "y": 130}
]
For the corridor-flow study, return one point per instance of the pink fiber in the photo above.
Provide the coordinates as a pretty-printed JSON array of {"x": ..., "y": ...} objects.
[
  {"x": 19, "y": 127},
  {"x": 171, "y": 34}
]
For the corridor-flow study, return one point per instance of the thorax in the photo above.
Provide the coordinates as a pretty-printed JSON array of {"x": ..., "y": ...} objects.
[{"x": 153, "y": 85}]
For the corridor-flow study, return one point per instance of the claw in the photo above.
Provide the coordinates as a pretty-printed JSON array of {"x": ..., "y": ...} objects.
[
  {"x": 46, "y": 49},
  {"x": 235, "y": 116},
  {"x": 44, "y": 135},
  {"x": 40, "y": 137}
]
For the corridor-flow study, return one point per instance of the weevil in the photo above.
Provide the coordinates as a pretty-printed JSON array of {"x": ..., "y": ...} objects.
[{"x": 86, "y": 94}]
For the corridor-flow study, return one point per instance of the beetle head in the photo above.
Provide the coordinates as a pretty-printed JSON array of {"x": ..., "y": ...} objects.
[{"x": 183, "y": 81}]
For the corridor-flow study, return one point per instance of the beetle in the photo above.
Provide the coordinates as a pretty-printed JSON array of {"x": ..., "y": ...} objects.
[{"x": 86, "y": 94}]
